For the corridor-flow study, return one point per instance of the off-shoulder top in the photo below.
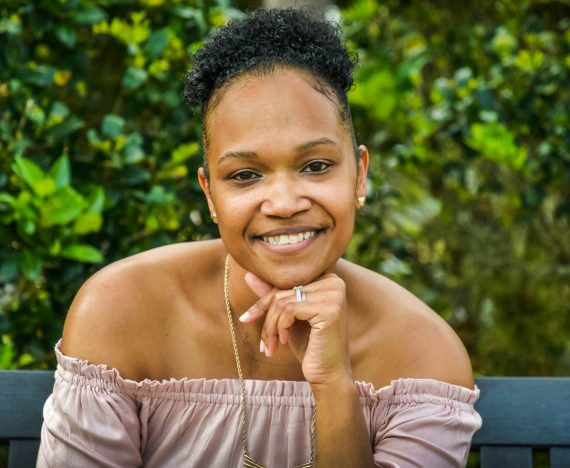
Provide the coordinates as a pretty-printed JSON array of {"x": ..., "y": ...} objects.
[{"x": 96, "y": 418}]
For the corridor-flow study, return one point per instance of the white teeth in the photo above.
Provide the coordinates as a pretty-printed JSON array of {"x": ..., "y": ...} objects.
[{"x": 285, "y": 239}]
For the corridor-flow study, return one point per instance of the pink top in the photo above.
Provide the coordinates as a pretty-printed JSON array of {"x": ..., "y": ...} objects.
[{"x": 96, "y": 418}]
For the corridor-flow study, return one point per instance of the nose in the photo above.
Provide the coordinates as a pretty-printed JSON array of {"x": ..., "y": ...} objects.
[{"x": 284, "y": 196}]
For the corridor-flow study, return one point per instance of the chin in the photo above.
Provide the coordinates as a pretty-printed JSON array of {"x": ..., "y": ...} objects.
[{"x": 288, "y": 280}]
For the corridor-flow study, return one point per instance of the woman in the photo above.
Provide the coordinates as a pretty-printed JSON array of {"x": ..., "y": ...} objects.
[{"x": 264, "y": 346}]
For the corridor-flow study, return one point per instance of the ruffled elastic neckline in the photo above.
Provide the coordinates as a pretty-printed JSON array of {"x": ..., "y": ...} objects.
[{"x": 405, "y": 390}]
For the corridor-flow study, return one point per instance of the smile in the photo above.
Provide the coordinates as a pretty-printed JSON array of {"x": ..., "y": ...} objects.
[{"x": 286, "y": 239}]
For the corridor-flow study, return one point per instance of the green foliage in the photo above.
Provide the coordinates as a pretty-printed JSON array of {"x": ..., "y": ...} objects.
[
  {"x": 97, "y": 150},
  {"x": 465, "y": 110}
]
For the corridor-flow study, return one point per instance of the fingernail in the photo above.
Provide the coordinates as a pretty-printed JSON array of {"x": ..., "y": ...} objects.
[
  {"x": 245, "y": 316},
  {"x": 262, "y": 347}
]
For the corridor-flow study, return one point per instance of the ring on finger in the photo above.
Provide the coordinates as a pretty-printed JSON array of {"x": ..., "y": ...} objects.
[{"x": 300, "y": 296}]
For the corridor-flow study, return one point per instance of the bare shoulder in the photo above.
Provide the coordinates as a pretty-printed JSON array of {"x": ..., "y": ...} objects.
[
  {"x": 399, "y": 336},
  {"x": 120, "y": 312}
]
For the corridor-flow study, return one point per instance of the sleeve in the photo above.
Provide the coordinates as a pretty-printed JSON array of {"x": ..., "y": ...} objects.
[
  {"x": 425, "y": 423},
  {"x": 89, "y": 421}
]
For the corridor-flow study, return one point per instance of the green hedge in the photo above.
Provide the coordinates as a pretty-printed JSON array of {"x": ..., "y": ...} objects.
[
  {"x": 467, "y": 111},
  {"x": 98, "y": 152},
  {"x": 466, "y": 114}
]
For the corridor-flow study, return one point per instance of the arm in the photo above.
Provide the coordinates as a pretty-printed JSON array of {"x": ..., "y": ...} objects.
[
  {"x": 424, "y": 423},
  {"x": 87, "y": 421},
  {"x": 342, "y": 438},
  {"x": 316, "y": 331},
  {"x": 91, "y": 419}
]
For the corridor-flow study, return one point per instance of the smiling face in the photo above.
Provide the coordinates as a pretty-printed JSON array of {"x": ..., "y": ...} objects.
[{"x": 283, "y": 179}]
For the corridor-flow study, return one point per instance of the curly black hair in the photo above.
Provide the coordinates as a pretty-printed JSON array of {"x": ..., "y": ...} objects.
[{"x": 263, "y": 41}]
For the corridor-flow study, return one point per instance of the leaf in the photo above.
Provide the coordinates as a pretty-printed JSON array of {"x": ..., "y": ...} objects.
[
  {"x": 185, "y": 151},
  {"x": 45, "y": 187},
  {"x": 63, "y": 207},
  {"x": 88, "y": 16},
  {"x": 82, "y": 252},
  {"x": 133, "y": 154},
  {"x": 61, "y": 171},
  {"x": 40, "y": 76},
  {"x": 9, "y": 267},
  {"x": 58, "y": 112},
  {"x": 28, "y": 225},
  {"x": 133, "y": 175},
  {"x": 7, "y": 353},
  {"x": 157, "y": 42},
  {"x": 34, "y": 176},
  {"x": 66, "y": 35},
  {"x": 494, "y": 141},
  {"x": 57, "y": 132},
  {"x": 88, "y": 222},
  {"x": 134, "y": 77},
  {"x": 28, "y": 171},
  {"x": 96, "y": 201},
  {"x": 6, "y": 201},
  {"x": 31, "y": 265},
  {"x": 112, "y": 125}
]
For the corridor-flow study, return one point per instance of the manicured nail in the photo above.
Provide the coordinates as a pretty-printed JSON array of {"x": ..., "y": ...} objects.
[
  {"x": 262, "y": 347},
  {"x": 245, "y": 316}
]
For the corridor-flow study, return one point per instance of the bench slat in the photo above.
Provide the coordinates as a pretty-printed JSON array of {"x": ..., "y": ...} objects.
[
  {"x": 22, "y": 397},
  {"x": 506, "y": 457},
  {"x": 23, "y": 453},
  {"x": 560, "y": 457},
  {"x": 525, "y": 411}
]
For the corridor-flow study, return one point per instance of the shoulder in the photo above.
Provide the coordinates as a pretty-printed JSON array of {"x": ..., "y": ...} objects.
[
  {"x": 404, "y": 337},
  {"x": 118, "y": 314}
]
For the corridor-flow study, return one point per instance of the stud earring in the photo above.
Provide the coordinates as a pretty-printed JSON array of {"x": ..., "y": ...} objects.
[
  {"x": 360, "y": 201},
  {"x": 214, "y": 217}
]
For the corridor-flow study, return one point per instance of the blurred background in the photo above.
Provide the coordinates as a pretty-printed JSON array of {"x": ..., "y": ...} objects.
[{"x": 464, "y": 106}]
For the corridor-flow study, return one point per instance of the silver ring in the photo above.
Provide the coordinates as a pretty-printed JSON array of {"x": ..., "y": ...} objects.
[{"x": 300, "y": 296}]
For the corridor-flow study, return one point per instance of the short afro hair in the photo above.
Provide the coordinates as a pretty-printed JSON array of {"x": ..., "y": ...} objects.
[{"x": 265, "y": 40}]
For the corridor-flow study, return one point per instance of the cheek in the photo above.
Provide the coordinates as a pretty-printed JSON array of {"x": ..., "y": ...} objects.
[{"x": 234, "y": 210}]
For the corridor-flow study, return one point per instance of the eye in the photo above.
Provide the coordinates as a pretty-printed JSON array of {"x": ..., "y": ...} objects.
[
  {"x": 244, "y": 176},
  {"x": 317, "y": 166}
]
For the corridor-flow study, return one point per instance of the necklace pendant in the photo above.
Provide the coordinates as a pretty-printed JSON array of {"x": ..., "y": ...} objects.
[{"x": 249, "y": 462}]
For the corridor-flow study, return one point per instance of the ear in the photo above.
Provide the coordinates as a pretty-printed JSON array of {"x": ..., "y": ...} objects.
[
  {"x": 362, "y": 171},
  {"x": 205, "y": 184}
]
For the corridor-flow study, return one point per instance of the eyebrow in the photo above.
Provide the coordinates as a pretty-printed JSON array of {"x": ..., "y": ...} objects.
[{"x": 299, "y": 148}]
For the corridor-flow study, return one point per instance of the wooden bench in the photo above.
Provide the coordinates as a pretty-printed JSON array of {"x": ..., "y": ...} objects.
[{"x": 519, "y": 415}]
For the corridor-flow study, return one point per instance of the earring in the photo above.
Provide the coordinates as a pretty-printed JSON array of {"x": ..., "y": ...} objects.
[
  {"x": 360, "y": 201},
  {"x": 214, "y": 217}
]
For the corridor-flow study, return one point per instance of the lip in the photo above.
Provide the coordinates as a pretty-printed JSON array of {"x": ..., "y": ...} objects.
[{"x": 286, "y": 230}]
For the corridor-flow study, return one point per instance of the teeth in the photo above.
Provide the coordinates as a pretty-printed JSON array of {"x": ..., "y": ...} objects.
[{"x": 285, "y": 239}]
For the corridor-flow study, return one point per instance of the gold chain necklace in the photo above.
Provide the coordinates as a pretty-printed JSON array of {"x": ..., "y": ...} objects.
[{"x": 248, "y": 461}]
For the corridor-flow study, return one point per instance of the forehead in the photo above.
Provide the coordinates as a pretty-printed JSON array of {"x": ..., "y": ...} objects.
[{"x": 282, "y": 108}]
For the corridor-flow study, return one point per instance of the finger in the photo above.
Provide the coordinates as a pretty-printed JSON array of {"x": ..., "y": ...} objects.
[
  {"x": 269, "y": 333},
  {"x": 327, "y": 282},
  {"x": 258, "y": 309},
  {"x": 257, "y": 285},
  {"x": 319, "y": 314},
  {"x": 285, "y": 310}
]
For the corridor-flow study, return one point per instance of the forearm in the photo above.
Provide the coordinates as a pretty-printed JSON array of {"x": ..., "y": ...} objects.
[{"x": 342, "y": 439}]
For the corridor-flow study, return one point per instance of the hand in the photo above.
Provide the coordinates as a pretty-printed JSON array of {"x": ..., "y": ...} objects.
[{"x": 316, "y": 329}]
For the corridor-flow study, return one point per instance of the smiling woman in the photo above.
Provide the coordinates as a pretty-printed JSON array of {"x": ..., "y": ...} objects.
[{"x": 265, "y": 344}]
